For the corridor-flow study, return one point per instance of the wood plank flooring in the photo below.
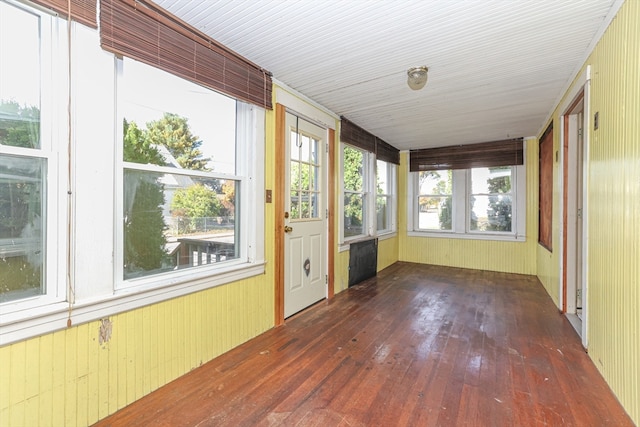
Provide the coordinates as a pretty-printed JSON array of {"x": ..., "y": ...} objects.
[{"x": 418, "y": 345}]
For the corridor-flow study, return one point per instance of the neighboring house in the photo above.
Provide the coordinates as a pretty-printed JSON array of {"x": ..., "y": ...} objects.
[{"x": 91, "y": 341}]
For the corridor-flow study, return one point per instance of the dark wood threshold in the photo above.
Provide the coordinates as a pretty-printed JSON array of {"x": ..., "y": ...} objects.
[{"x": 418, "y": 345}]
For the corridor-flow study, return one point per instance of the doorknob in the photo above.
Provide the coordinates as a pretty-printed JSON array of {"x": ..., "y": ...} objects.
[{"x": 288, "y": 229}]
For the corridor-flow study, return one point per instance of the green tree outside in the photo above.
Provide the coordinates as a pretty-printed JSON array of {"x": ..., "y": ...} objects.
[
  {"x": 173, "y": 132},
  {"x": 499, "y": 211},
  {"x": 194, "y": 202},
  {"x": 353, "y": 162}
]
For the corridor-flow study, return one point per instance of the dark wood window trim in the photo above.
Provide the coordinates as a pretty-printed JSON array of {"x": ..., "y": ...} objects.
[
  {"x": 545, "y": 191},
  {"x": 83, "y": 11},
  {"x": 507, "y": 152},
  {"x": 143, "y": 31},
  {"x": 354, "y": 135}
]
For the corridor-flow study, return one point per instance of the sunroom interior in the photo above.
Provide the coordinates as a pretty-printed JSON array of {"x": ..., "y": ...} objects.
[{"x": 180, "y": 180}]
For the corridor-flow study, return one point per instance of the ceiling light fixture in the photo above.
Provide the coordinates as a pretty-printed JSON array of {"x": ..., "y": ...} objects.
[{"x": 417, "y": 77}]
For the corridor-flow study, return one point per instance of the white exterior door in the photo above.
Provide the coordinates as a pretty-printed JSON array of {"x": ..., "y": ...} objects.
[{"x": 305, "y": 248}]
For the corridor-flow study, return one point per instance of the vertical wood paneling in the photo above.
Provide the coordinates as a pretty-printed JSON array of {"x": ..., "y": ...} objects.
[
  {"x": 614, "y": 208},
  {"x": 387, "y": 252},
  {"x": 67, "y": 378},
  {"x": 511, "y": 257},
  {"x": 613, "y": 188},
  {"x": 45, "y": 369}
]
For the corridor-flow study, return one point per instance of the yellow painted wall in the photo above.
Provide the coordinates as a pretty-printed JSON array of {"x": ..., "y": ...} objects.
[
  {"x": 613, "y": 261},
  {"x": 512, "y": 257},
  {"x": 387, "y": 252},
  {"x": 387, "y": 255},
  {"x": 68, "y": 379}
]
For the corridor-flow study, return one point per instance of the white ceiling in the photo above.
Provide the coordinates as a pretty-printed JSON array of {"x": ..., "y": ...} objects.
[{"x": 496, "y": 67}]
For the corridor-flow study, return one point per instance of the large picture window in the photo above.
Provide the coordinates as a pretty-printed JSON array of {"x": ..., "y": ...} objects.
[
  {"x": 181, "y": 186},
  {"x": 121, "y": 184}
]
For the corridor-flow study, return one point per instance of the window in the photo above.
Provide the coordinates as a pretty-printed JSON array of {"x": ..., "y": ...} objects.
[
  {"x": 182, "y": 176},
  {"x": 161, "y": 197},
  {"x": 28, "y": 158},
  {"x": 368, "y": 168},
  {"x": 435, "y": 191},
  {"x": 490, "y": 201},
  {"x": 356, "y": 172},
  {"x": 385, "y": 196},
  {"x": 475, "y": 203},
  {"x": 369, "y": 206}
]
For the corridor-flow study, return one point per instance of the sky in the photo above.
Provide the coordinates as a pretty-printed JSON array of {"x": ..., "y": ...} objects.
[{"x": 146, "y": 93}]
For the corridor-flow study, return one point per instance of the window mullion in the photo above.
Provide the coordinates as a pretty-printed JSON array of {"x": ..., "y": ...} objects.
[{"x": 460, "y": 197}]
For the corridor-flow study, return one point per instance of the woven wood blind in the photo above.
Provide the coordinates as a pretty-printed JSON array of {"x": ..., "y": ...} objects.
[
  {"x": 145, "y": 32},
  {"x": 387, "y": 152},
  {"x": 353, "y": 134},
  {"x": 485, "y": 154},
  {"x": 83, "y": 11}
]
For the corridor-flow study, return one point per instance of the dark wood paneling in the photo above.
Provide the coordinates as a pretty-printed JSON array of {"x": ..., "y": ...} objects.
[{"x": 545, "y": 206}]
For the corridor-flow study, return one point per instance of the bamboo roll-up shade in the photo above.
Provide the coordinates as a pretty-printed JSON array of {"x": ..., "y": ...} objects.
[
  {"x": 83, "y": 11},
  {"x": 387, "y": 152},
  {"x": 354, "y": 135},
  {"x": 486, "y": 154},
  {"x": 145, "y": 32}
]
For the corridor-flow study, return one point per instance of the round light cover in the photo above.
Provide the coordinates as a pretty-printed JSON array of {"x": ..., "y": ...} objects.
[{"x": 417, "y": 77}]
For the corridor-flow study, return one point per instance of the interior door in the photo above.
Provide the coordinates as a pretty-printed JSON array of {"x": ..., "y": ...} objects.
[{"x": 305, "y": 246}]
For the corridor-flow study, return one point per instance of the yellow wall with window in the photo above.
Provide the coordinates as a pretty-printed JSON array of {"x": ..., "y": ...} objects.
[
  {"x": 68, "y": 378},
  {"x": 511, "y": 257},
  {"x": 613, "y": 210}
]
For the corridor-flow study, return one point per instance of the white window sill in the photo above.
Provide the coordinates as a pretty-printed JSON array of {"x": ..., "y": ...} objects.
[
  {"x": 469, "y": 236},
  {"x": 342, "y": 247},
  {"x": 24, "y": 324}
]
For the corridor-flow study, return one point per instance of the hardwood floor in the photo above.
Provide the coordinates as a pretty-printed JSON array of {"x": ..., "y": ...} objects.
[{"x": 418, "y": 345}]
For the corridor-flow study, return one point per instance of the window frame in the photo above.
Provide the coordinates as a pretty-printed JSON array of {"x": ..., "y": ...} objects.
[
  {"x": 245, "y": 176},
  {"x": 369, "y": 184},
  {"x": 53, "y": 144},
  {"x": 85, "y": 276},
  {"x": 461, "y": 189},
  {"x": 391, "y": 197}
]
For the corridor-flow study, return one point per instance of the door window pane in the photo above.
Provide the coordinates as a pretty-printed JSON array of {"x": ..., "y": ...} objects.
[{"x": 303, "y": 175}]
